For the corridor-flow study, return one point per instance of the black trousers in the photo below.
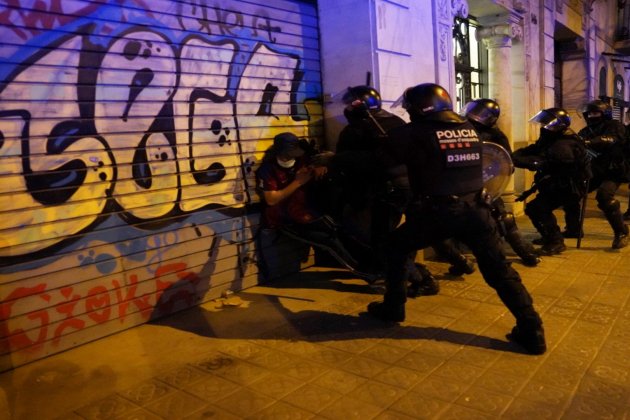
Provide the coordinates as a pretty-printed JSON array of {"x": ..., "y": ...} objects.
[
  {"x": 540, "y": 211},
  {"x": 472, "y": 223},
  {"x": 605, "y": 196}
]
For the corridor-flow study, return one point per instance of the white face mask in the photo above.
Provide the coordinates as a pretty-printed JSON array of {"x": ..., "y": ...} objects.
[{"x": 286, "y": 163}]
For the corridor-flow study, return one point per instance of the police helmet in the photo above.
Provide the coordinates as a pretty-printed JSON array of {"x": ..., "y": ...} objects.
[
  {"x": 596, "y": 111},
  {"x": 552, "y": 119},
  {"x": 429, "y": 99},
  {"x": 484, "y": 111},
  {"x": 366, "y": 94}
]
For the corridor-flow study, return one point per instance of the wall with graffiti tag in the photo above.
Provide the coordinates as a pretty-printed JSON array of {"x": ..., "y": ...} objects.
[{"x": 129, "y": 136}]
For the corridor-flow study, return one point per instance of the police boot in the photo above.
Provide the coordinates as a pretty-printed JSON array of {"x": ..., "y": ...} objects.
[
  {"x": 531, "y": 339},
  {"x": 621, "y": 239},
  {"x": 528, "y": 332},
  {"x": 523, "y": 249},
  {"x": 612, "y": 211},
  {"x": 421, "y": 281},
  {"x": 553, "y": 247},
  {"x": 387, "y": 312},
  {"x": 461, "y": 266},
  {"x": 538, "y": 241},
  {"x": 553, "y": 242}
]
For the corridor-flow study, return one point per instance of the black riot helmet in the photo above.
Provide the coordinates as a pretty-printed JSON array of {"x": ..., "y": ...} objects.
[
  {"x": 429, "y": 100},
  {"x": 484, "y": 111},
  {"x": 366, "y": 94},
  {"x": 596, "y": 111},
  {"x": 552, "y": 119}
]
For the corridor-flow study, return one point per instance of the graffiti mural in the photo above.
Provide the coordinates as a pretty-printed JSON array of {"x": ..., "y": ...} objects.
[{"x": 129, "y": 135}]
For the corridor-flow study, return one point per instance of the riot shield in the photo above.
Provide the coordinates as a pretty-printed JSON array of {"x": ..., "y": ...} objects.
[{"x": 497, "y": 168}]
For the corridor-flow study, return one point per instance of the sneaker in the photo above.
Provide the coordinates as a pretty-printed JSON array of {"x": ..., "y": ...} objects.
[
  {"x": 532, "y": 341},
  {"x": 465, "y": 266},
  {"x": 387, "y": 312},
  {"x": 620, "y": 241},
  {"x": 553, "y": 248},
  {"x": 424, "y": 288}
]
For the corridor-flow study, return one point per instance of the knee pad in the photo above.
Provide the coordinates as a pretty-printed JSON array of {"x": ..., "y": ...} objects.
[
  {"x": 609, "y": 206},
  {"x": 508, "y": 221}
]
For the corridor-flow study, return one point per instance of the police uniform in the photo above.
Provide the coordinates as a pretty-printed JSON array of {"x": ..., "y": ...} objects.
[
  {"x": 385, "y": 191},
  {"x": 442, "y": 153},
  {"x": 607, "y": 142},
  {"x": 493, "y": 135},
  {"x": 506, "y": 221},
  {"x": 562, "y": 168}
]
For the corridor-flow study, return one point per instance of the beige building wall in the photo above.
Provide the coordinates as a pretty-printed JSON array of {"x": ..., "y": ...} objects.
[{"x": 542, "y": 53}]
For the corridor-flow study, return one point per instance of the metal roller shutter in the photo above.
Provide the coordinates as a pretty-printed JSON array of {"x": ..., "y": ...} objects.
[{"x": 129, "y": 135}]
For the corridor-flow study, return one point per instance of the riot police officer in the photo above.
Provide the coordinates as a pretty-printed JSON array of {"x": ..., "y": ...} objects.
[
  {"x": 442, "y": 153},
  {"x": 562, "y": 169},
  {"x": 483, "y": 114},
  {"x": 368, "y": 187},
  {"x": 605, "y": 138}
]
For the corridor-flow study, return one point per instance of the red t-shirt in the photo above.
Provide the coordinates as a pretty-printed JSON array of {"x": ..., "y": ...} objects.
[{"x": 293, "y": 209}]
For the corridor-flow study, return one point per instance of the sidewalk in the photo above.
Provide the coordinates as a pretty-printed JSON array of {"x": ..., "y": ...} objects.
[{"x": 303, "y": 348}]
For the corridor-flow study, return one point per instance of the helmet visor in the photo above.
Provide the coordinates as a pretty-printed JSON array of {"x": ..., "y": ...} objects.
[
  {"x": 483, "y": 114},
  {"x": 548, "y": 121},
  {"x": 340, "y": 97},
  {"x": 399, "y": 103}
]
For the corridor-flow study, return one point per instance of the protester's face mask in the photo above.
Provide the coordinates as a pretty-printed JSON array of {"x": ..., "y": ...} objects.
[{"x": 285, "y": 163}]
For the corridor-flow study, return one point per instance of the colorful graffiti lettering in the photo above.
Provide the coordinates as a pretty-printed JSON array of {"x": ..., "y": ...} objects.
[
  {"x": 129, "y": 134},
  {"x": 68, "y": 309},
  {"x": 142, "y": 124}
]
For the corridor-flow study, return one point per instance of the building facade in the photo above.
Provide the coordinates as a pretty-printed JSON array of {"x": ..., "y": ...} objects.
[{"x": 130, "y": 131}]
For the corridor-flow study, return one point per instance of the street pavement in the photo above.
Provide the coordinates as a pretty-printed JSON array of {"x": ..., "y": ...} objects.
[{"x": 302, "y": 347}]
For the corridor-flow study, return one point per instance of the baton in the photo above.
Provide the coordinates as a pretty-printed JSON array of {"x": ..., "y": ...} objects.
[
  {"x": 378, "y": 126},
  {"x": 582, "y": 214}
]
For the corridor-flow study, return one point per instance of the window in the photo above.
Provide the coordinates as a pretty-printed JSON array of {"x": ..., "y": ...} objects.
[{"x": 470, "y": 59}]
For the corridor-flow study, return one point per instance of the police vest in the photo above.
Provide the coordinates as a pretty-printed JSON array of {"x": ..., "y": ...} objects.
[{"x": 453, "y": 163}]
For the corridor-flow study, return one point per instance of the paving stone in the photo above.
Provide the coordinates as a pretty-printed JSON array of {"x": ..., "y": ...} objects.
[
  {"x": 379, "y": 394},
  {"x": 244, "y": 402},
  {"x": 350, "y": 409},
  {"x": 175, "y": 405},
  {"x": 418, "y": 406},
  {"x": 343, "y": 382},
  {"x": 212, "y": 387},
  {"x": 275, "y": 385},
  {"x": 323, "y": 358},
  {"x": 107, "y": 408},
  {"x": 312, "y": 397},
  {"x": 282, "y": 411},
  {"x": 147, "y": 391},
  {"x": 485, "y": 401},
  {"x": 440, "y": 388},
  {"x": 524, "y": 409},
  {"x": 182, "y": 376}
]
